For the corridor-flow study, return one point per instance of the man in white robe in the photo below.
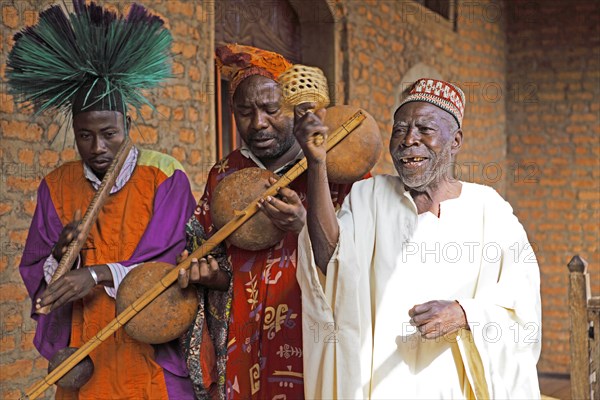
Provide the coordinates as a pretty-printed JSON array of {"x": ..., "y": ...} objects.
[{"x": 423, "y": 286}]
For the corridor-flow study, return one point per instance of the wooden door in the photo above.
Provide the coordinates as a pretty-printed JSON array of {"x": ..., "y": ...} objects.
[{"x": 268, "y": 24}]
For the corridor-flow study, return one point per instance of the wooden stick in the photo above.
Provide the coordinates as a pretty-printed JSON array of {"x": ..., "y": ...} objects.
[
  {"x": 91, "y": 214},
  {"x": 171, "y": 277},
  {"x": 579, "y": 294}
]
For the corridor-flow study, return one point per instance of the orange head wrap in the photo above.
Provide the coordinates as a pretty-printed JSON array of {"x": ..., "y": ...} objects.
[{"x": 238, "y": 62}]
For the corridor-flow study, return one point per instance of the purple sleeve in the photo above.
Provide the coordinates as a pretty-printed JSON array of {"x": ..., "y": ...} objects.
[
  {"x": 53, "y": 330},
  {"x": 164, "y": 238}
]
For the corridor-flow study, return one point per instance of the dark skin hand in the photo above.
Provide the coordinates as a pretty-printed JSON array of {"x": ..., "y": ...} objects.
[
  {"x": 287, "y": 213},
  {"x": 74, "y": 285},
  {"x": 438, "y": 318},
  {"x": 71, "y": 231},
  {"x": 205, "y": 272}
]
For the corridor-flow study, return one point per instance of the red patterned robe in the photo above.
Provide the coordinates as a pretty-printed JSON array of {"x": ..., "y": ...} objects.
[{"x": 256, "y": 326}]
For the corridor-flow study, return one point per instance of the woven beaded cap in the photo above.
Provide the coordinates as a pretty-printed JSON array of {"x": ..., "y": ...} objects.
[{"x": 445, "y": 95}]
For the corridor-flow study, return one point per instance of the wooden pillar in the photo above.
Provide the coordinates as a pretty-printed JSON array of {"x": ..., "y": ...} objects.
[
  {"x": 578, "y": 297},
  {"x": 594, "y": 346}
]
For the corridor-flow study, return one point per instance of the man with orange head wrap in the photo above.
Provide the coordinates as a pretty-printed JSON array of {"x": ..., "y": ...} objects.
[{"x": 250, "y": 314}]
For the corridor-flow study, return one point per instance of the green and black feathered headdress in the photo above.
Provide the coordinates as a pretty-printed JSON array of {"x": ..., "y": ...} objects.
[{"x": 89, "y": 60}]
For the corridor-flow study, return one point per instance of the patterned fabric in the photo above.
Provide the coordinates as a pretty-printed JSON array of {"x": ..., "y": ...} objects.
[
  {"x": 259, "y": 348},
  {"x": 237, "y": 62},
  {"x": 445, "y": 95},
  {"x": 207, "y": 354}
]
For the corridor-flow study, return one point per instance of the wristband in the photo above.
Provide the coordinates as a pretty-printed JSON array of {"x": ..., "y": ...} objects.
[{"x": 94, "y": 275}]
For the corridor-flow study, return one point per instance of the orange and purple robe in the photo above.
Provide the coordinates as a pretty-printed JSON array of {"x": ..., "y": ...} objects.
[
  {"x": 255, "y": 326},
  {"x": 143, "y": 220}
]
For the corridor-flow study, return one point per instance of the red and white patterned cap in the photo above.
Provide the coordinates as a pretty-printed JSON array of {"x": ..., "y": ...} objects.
[{"x": 445, "y": 95}]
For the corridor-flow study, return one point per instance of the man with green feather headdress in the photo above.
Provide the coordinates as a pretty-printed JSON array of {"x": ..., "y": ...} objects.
[{"x": 91, "y": 65}]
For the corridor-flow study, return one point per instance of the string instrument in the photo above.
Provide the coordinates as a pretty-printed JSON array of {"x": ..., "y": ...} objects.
[{"x": 347, "y": 162}]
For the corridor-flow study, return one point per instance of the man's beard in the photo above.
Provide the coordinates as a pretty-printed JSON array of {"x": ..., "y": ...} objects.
[
  {"x": 438, "y": 168},
  {"x": 281, "y": 146}
]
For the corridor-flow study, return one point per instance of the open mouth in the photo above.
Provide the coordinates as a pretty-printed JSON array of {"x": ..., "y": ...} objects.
[{"x": 413, "y": 161}]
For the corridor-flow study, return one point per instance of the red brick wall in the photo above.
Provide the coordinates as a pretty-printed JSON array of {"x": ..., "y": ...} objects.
[
  {"x": 27, "y": 154},
  {"x": 553, "y": 130}
]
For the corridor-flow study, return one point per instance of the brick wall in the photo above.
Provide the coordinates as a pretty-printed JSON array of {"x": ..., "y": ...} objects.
[
  {"x": 31, "y": 148},
  {"x": 553, "y": 130},
  {"x": 386, "y": 38}
]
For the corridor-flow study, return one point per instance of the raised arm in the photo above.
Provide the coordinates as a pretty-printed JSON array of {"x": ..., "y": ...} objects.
[{"x": 323, "y": 227}]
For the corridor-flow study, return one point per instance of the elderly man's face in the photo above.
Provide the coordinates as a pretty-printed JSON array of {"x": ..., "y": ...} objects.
[
  {"x": 424, "y": 140},
  {"x": 265, "y": 129}
]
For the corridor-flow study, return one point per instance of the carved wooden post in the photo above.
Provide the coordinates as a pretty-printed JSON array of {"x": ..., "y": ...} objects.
[{"x": 578, "y": 297}]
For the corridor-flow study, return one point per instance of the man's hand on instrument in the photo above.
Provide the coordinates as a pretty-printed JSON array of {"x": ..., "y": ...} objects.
[
  {"x": 438, "y": 318},
  {"x": 287, "y": 213},
  {"x": 74, "y": 285},
  {"x": 72, "y": 231},
  {"x": 310, "y": 132},
  {"x": 205, "y": 272}
]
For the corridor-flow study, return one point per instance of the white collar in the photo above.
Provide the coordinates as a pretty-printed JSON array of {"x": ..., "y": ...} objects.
[{"x": 123, "y": 177}]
